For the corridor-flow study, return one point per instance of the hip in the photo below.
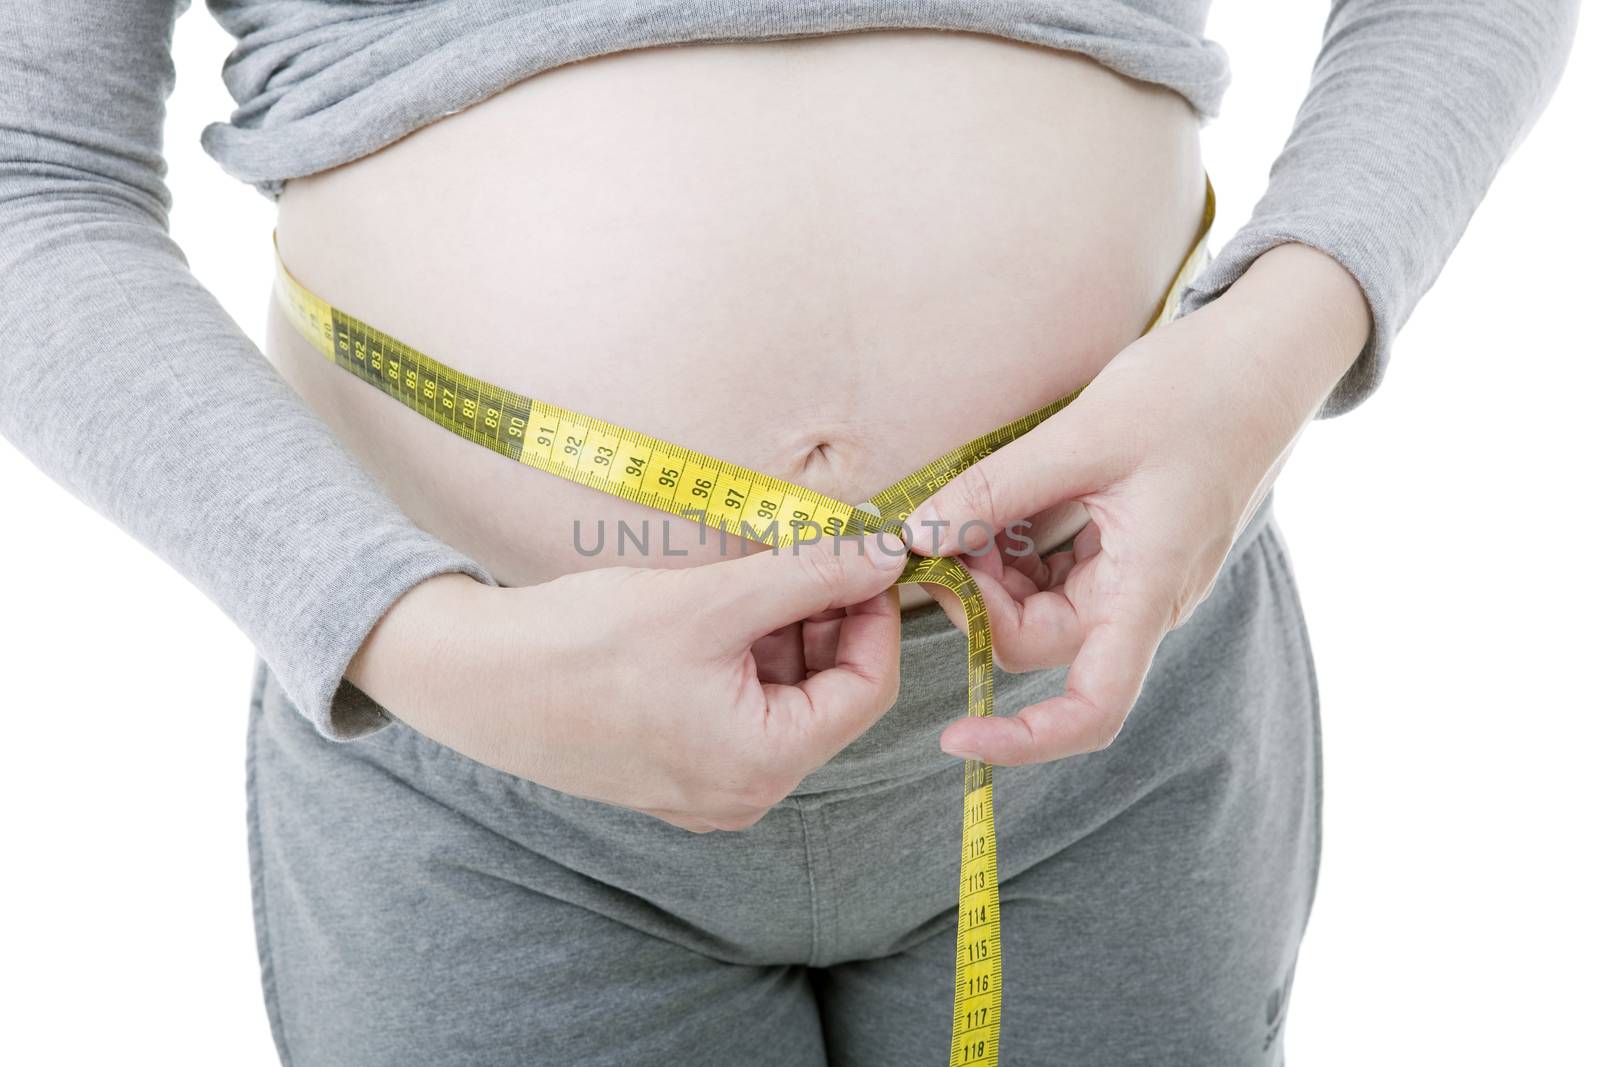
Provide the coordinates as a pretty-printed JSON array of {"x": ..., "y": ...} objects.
[
  {"x": 1132, "y": 877},
  {"x": 1235, "y": 684},
  {"x": 409, "y": 898}
]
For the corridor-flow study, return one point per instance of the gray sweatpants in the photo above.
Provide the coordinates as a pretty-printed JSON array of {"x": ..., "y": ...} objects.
[{"x": 416, "y": 907}]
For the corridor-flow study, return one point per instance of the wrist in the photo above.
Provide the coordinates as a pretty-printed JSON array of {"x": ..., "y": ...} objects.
[
  {"x": 1307, "y": 320},
  {"x": 391, "y": 666}
]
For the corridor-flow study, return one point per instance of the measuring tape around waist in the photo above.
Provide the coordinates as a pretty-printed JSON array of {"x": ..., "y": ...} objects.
[{"x": 747, "y": 503}]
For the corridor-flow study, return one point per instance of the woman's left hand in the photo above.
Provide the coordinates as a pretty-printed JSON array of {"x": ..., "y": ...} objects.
[{"x": 1170, "y": 450}]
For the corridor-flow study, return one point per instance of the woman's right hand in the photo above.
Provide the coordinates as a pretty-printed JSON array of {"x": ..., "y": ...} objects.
[{"x": 639, "y": 686}]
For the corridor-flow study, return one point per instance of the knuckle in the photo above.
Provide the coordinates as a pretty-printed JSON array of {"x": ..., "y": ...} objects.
[
  {"x": 1023, "y": 664},
  {"x": 1016, "y": 655},
  {"x": 826, "y": 567},
  {"x": 738, "y": 822},
  {"x": 1016, "y": 661},
  {"x": 889, "y": 690},
  {"x": 735, "y": 806},
  {"x": 977, "y": 495},
  {"x": 687, "y": 823},
  {"x": 760, "y": 788},
  {"x": 1102, "y": 730},
  {"x": 769, "y": 791}
]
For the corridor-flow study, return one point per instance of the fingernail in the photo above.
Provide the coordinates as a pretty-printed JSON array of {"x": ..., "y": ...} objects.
[
  {"x": 886, "y": 551},
  {"x": 921, "y": 529},
  {"x": 959, "y": 753}
]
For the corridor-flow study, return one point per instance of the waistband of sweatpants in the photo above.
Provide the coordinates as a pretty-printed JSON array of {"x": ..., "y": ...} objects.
[{"x": 904, "y": 744}]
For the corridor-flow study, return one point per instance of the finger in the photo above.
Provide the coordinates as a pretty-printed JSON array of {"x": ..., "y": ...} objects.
[
  {"x": 1087, "y": 541},
  {"x": 1005, "y": 558},
  {"x": 820, "y": 641},
  {"x": 1058, "y": 568},
  {"x": 1048, "y": 623},
  {"x": 1035, "y": 631},
  {"x": 832, "y": 707},
  {"x": 780, "y": 655},
  {"x": 1030, "y": 628},
  {"x": 1102, "y": 685},
  {"x": 951, "y": 604},
  {"x": 756, "y": 594},
  {"x": 947, "y": 599},
  {"x": 1032, "y": 473},
  {"x": 1025, "y": 580},
  {"x": 987, "y": 560},
  {"x": 1029, "y": 568},
  {"x": 1001, "y": 605}
]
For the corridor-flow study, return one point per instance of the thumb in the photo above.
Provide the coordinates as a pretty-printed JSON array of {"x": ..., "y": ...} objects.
[
  {"x": 1036, "y": 471},
  {"x": 757, "y": 594}
]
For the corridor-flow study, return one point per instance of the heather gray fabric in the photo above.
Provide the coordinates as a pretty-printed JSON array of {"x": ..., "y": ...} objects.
[
  {"x": 416, "y": 907},
  {"x": 128, "y": 384}
]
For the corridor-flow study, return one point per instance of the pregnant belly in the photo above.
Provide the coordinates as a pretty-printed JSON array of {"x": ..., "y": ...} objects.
[{"x": 829, "y": 259}]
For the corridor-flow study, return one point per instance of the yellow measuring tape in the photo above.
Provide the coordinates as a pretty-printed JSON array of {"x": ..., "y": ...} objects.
[{"x": 749, "y": 504}]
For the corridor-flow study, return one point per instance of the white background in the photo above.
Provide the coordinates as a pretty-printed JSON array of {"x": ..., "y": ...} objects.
[{"x": 1442, "y": 535}]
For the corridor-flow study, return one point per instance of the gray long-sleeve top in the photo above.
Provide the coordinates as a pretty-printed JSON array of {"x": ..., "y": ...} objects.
[{"x": 124, "y": 380}]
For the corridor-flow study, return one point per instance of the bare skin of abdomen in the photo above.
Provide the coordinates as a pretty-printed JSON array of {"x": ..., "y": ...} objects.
[{"x": 830, "y": 259}]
